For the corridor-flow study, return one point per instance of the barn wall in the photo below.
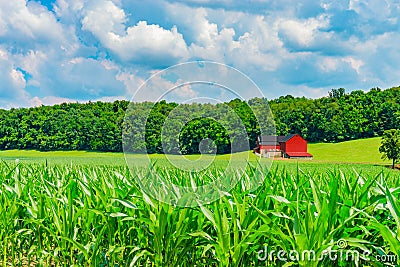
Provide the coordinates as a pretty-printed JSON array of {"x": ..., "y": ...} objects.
[
  {"x": 296, "y": 144},
  {"x": 283, "y": 146}
]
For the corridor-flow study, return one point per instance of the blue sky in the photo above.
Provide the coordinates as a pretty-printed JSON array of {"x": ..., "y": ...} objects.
[{"x": 54, "y": 51}]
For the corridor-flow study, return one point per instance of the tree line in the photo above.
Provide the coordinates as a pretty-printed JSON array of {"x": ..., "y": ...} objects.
[{"x": 99, "y": 126}]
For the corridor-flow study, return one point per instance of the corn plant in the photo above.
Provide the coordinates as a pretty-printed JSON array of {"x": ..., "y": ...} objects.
[{"x": 86, "y": 215}]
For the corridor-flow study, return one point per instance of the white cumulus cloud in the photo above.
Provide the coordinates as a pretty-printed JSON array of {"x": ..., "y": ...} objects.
[
  {"x": 76, "y": 50},
  {"x": 142, "y": 42}
]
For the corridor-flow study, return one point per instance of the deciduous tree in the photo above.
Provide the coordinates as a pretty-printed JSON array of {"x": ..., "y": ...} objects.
[{"x": 390, "y": 146}]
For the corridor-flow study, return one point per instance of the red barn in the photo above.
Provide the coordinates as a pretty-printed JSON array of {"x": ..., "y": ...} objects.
[
  {"x": 294, "y": 146},
  {"x": 290, "y": 146}
]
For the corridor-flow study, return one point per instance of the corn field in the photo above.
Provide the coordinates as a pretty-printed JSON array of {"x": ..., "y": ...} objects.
[{"x": 65, "y": 215}]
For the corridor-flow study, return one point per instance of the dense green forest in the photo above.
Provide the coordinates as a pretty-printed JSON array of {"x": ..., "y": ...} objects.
[{"x": 98, "y": 126}]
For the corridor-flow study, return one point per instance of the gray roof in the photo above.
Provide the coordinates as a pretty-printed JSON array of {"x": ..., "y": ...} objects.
[
  {"x": 270, "y": 140},
  {"x": 273, "y": 140},
  {"x": 287, "y": 138}
]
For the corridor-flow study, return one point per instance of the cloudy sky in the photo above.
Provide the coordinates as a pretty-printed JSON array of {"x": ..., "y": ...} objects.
[{"x": 53, "y": 51}]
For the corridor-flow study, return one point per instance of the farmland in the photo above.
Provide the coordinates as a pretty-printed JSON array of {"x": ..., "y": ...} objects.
[
  {"x": 355, "y": 151},
  {"x": 360, "y": 151},
  {"x": 85, "y": 209},
  {"x": 199, "y": 133}
]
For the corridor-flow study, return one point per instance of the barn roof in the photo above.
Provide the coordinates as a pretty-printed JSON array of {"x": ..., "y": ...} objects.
[
  {"x": 287, "y": 138},
  {"x": 298, "y": 154},
  {"x": 270, "y": 140}
]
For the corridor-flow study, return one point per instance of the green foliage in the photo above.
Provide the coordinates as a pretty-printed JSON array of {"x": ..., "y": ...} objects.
[
  {"x": 97, "y": 216},
  {"x": 337, "y": 93},
  {"x": 196, "y": 131},
  {"x": 390, "y": 146},
  {"x": 99, "y": 126},
  {"x": 340, "y": 117},
  {"x": 92, "y": 126}
]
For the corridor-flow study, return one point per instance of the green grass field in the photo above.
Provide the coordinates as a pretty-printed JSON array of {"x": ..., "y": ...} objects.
[
  {"x": 63, "y": 157},
  {"x": 356, "y": 151}
]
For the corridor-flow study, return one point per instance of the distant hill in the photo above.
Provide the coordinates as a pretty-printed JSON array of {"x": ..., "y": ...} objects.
[{"x": 355, "y": 151}]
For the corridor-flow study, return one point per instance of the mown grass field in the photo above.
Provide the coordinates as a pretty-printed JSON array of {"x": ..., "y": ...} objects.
[
  {"x": 86, "y": 209},
  {"x": 356, "y": 151}
]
